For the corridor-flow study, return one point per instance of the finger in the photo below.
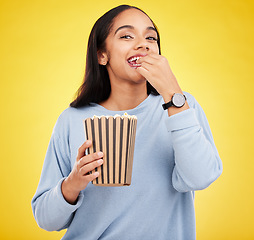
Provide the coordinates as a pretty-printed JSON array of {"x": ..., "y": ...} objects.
[
  {"x": 146, "y": 66},
  {"x": 89, "y": 158},
  {"x": 143, "y": 71},
  {"x": 91, "y": 177},
  {"x": 90, "y": 167},
  {"x": 151, "y": 56},
  {"x": 82, "y": 148},
  {"x": 148, "y": 59},
  {"x": 155, "y": 55},
  {"x": 154, "y": 59}
]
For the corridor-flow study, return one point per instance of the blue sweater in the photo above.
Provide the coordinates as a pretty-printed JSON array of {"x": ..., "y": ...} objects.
[{"x": 173, "y": 157}]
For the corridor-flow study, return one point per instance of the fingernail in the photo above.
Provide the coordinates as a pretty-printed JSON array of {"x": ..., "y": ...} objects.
[
  {"x": 100, "y": 154},
  {"x": 100, "y": 161},
  {"x": 96, "y": 174},
  {"x": 88, "y": 142}
]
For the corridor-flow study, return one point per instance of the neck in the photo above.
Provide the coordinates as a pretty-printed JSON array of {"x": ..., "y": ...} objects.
[{"x": 125, "y": 96}]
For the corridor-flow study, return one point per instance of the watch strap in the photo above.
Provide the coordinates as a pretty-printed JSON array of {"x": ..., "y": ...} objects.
[{"x": 167, "y": 105}]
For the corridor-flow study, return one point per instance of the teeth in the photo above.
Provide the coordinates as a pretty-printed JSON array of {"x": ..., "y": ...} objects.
[{"x": 133, "y": 59}]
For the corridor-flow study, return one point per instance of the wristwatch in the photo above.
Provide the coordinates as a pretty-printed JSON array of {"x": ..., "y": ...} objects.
[{"x": 178, "y": 100}]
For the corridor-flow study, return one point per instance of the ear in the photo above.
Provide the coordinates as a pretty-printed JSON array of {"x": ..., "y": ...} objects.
[{"x": 102, "y": 58}]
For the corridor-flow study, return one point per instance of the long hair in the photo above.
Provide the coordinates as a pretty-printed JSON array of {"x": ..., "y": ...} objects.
[{"x": 96, "y": 84}]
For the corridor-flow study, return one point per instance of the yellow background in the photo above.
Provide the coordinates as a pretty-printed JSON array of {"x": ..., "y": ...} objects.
[{"x": 209, "y": 45}]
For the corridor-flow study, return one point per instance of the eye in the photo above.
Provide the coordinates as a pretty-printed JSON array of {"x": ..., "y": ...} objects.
[
  {"x": 152, "y": 39},
  {"x": 126, "y": 37}
]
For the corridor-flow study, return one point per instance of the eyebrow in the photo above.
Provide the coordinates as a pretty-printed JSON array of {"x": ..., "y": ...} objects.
[{"x": 131, "y": 27}]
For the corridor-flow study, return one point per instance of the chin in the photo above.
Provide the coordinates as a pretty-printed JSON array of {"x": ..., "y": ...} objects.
[{"x": 138, "y": 78}]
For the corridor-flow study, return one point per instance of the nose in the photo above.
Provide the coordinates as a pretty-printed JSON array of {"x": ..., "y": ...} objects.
[{"x": 142, "y": 44}]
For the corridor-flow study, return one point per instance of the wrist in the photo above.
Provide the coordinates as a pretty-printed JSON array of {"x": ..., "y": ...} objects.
[
  {"x": 175, "y": 102},
  {"x": 167, "y": 96},
  {"x": 175, "y": 110},
  {"x": 69, "y": 194}
]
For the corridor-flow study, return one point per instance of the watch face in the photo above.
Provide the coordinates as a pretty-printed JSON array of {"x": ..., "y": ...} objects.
[{"x": 178, "y": 100}]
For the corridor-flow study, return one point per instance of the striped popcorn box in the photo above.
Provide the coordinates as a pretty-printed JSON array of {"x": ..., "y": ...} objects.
[{"x": 115, "y": 137}]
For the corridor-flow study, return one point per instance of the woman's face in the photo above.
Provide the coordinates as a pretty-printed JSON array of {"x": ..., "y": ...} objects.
[{"x": 132, "y": 36}]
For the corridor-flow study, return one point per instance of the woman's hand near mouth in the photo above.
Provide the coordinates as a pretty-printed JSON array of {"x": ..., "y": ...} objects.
[{"x": 155, "y": 68}]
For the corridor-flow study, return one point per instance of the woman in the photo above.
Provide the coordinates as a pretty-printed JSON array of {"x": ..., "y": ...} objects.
[{"x": 174, "y": 149}]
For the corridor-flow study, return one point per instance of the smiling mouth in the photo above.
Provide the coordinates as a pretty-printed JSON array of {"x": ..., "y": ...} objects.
[{"x": 133, "y": 61}]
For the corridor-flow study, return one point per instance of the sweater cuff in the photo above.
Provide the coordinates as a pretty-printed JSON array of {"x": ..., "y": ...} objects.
[
  {"x": 62, "y": 203},
  {"x": 182, "y": 120}
]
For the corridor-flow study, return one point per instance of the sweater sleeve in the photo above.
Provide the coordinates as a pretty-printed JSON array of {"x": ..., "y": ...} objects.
[
  {"x": 197, "y": 162},
  {"x": 50, "y": 209}
]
